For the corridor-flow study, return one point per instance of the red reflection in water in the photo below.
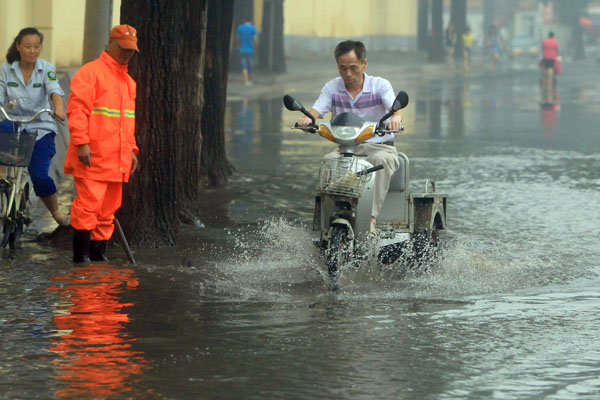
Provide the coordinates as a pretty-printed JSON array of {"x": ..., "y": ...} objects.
[
  {"x": 97, "y": 359},
  {"x": 549, "y": 117}
]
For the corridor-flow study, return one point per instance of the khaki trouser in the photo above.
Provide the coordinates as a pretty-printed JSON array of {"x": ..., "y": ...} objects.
[{"x": 377, "y": 153}]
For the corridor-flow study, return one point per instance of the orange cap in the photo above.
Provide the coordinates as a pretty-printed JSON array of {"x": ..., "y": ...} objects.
[{"x": 126, "y": 36}]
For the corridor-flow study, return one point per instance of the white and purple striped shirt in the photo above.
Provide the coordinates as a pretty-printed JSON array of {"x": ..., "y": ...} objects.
[{"x": 371, "y": 104}]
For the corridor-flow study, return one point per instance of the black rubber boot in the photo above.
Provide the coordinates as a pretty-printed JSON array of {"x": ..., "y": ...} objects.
[
  {"x": 81, "y": 246},
  {"x": 97, "y": 249}
]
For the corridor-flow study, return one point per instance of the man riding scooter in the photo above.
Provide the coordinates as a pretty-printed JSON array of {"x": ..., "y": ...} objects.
[{"x": 368, "y": 97}]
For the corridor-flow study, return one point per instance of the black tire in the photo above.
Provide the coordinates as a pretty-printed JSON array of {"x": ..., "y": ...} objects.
[
  {"x": 391, "y": 253},
  {"x": 338, "y": 252},
  {"x": 8, "y": 221},
  {"x": 7, "y": 229},
  {"x": 426, "y": 248},
  {"x": 21, "y": 219}
]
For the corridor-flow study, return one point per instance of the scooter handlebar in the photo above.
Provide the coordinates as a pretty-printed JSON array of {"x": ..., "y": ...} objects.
[
  {"x": 310, "y": 128},
  {"x": 382, "y": 132}
]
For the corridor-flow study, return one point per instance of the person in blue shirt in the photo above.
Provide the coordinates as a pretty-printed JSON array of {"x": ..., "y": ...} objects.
[
  {"x": 247, "y": 36},
  {"x": 26, "y": 84}
]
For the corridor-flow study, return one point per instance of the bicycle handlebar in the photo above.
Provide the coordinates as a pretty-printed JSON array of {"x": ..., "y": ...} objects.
[{"x": 37, "y": 114}]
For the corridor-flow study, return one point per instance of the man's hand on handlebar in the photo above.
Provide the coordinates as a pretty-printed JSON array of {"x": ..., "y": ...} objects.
[
  {"x": 304, "y": 121},
  {"x": 395, "y": 122}
]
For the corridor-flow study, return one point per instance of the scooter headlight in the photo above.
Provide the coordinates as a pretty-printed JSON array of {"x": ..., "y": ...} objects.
[{"x": 345, "y": 132}]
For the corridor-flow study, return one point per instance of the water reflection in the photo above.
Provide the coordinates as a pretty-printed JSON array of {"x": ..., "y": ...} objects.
[
  {"x": 550, "y": 105},
  {"x": 550, "y": 116},
  {"x": 96, "y": 358},
  {"x": 254, "y": 127}
]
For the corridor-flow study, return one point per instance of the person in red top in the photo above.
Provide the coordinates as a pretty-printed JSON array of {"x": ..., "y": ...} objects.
[
  {"x": 102, "y": 150},
  {"x": 549, "y": 51}
]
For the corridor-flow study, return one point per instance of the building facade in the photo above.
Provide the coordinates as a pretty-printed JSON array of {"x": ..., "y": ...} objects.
[{"x": 61, "y": 22}]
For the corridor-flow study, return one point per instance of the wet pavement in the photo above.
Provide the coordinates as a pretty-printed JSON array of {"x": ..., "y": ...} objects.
[{"x": 241, "y": 308}]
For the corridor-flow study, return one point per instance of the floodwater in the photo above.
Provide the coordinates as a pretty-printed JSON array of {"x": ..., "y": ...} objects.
[{"x": 241, "y": 309}]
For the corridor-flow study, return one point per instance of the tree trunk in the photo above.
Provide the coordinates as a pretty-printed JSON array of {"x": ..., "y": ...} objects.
[
  {"x": 271, "y": 55},
  {"x": 569, "y": 13},
  {"x": 423, "y": 26},
  {"x": 488, "y": 15},
  {"x": 577, "y": 35},
  {"x": 458, "y": 14},
  {"x": 436, "y": 50},
  {"x": 98, "y": 21},
  {"x": 169, "y": 75},
  {"x": 243, "y": 10},
  {"x": 214, "y": 164}
]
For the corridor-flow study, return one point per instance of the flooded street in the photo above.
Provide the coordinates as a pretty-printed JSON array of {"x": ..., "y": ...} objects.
[{"x": 241, "y": 308}]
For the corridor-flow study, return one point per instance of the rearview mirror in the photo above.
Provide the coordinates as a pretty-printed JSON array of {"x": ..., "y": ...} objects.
[
  {"x": 294, "y": 105},
  {"x": 291, "y": 103},
  {"x": 401, "y": 101}
]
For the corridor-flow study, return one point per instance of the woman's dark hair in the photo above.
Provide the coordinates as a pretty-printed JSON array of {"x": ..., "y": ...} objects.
[
  {"x": 12, "y": 54},
  {"x": 349, "y": 45}
]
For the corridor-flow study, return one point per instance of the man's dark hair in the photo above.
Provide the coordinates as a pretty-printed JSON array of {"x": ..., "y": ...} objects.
[
  {"x": 550, "y": 34},
  {"x": 349, "y": 45},
  {"x": 13, "y": 54}
]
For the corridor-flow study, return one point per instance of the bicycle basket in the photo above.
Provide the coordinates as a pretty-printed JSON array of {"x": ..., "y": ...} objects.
[
  {"x": 338, "y": 176},
  {"x": 16, "y": 148}
]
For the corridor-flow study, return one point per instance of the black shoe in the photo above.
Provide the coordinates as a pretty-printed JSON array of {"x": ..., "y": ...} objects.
[
  {"x": 81, "y": 246},
  {"x": 97, "y": 249}
]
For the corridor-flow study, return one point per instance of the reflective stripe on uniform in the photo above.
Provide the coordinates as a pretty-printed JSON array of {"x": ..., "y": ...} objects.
[
  {"x": 130, "y": 113},
  {"x": 106, "y": 111}
]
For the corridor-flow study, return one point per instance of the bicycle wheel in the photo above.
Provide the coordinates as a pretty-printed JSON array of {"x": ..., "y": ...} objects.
[
  {"x": 22, "y": 218},
  {"x": 8, "y": 220}
]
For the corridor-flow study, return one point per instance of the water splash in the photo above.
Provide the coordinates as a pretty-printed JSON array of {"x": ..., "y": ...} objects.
[{"x": 274, "y": 260}]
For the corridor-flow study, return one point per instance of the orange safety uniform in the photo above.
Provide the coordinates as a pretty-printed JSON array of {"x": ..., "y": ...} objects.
[{"x": 101, "y": 112}]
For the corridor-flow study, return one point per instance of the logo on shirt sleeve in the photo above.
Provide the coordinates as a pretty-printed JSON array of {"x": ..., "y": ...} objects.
[{"x": 51, "y": 75}]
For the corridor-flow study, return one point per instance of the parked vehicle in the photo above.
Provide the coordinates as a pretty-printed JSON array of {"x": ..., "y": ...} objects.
[
  {"x": 408, "y": 225},
  {"x": 524, "y": 46}
]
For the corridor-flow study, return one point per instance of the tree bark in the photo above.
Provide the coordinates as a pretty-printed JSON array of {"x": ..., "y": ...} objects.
[
  {"x": 436, "y": 49},
  {"x": 214, "y": 164},
  {"x": 169, "y": 75},
  {"x": 271, "y": 55}
]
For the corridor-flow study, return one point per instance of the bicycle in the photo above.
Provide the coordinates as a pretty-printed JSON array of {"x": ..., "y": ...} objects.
[{"x": 16, "y": 148}]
